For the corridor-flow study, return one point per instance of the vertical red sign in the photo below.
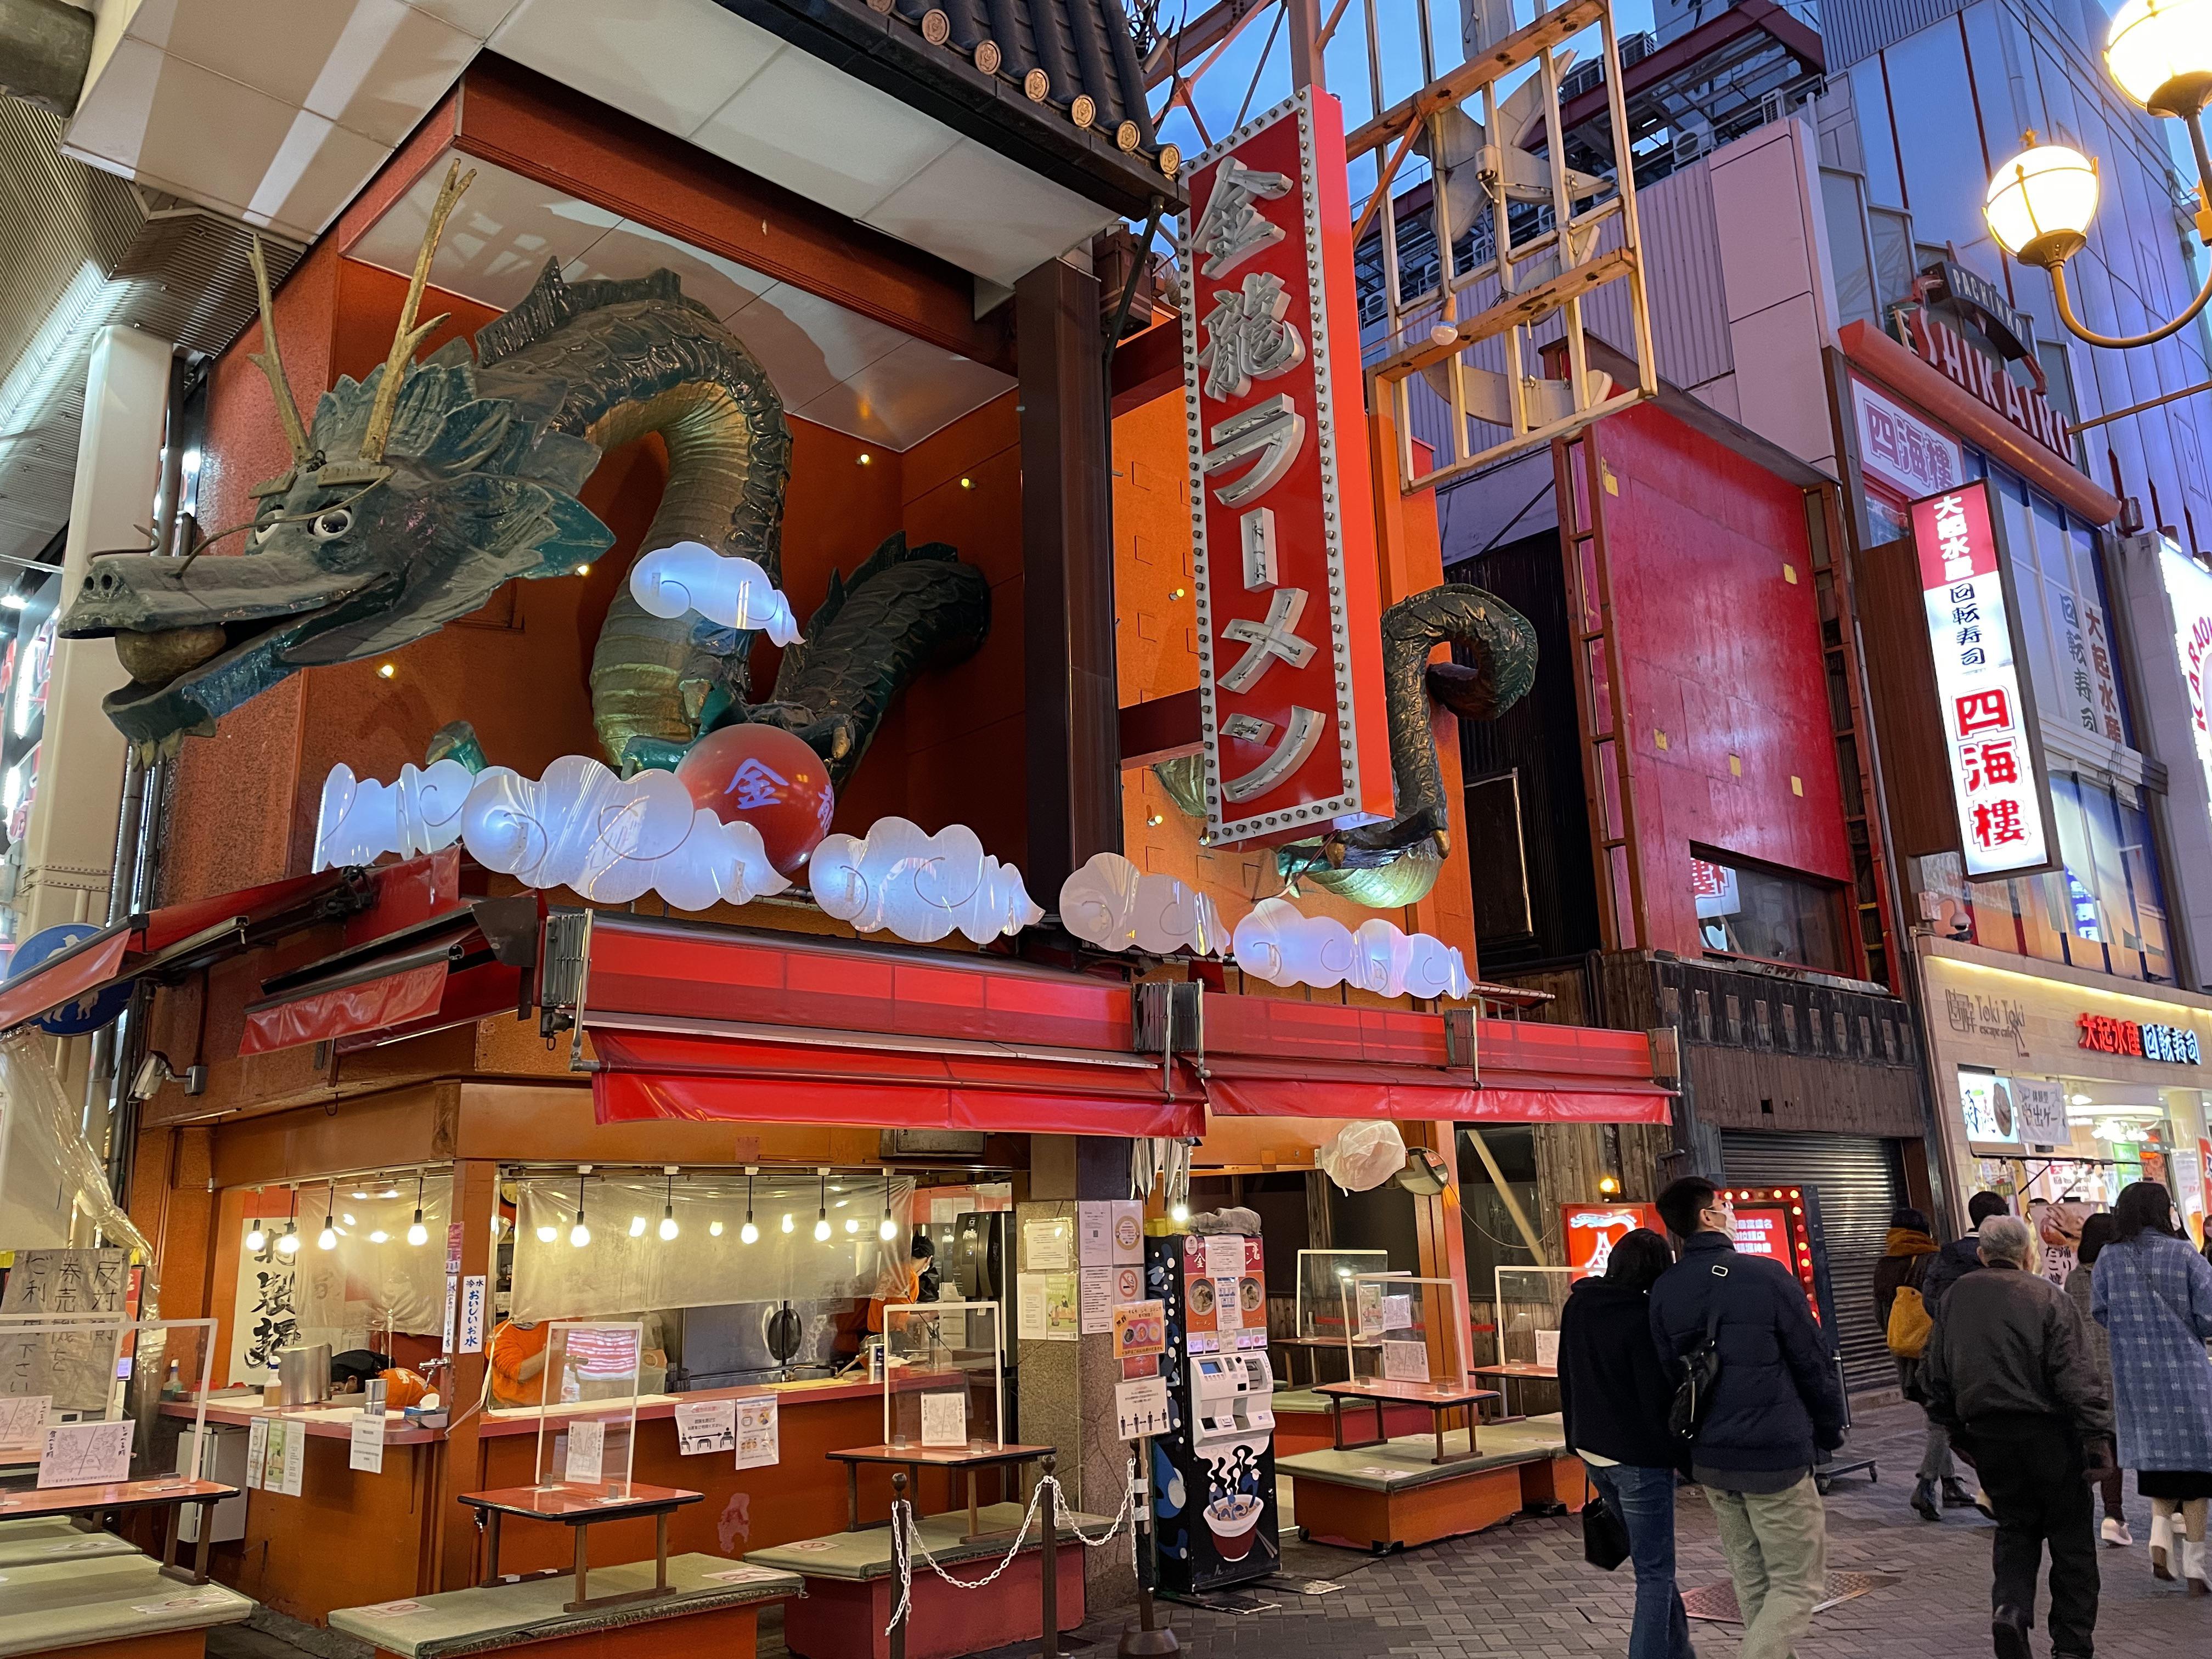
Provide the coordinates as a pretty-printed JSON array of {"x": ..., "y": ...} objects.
[{"x": 1282, "y": 507}]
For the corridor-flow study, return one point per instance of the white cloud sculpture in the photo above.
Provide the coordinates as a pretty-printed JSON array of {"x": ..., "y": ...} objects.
[
  {"x": 610, "y": 839},
  {"x": 730, "y": 590},
  {"x": 1279, "y": 944},
  {"x": 614, "y": 839},
  {"x": 1116, "y": 906},
  {"x": 899, "y": 879},
  {"x": 359, "y": 819}
]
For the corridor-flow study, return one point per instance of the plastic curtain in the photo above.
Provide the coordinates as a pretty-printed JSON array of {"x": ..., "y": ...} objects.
[{"x": 53, "y": 1190}]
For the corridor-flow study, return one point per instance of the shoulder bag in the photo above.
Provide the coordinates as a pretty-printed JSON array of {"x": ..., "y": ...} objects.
[{"x": 1698, "y": 1369}]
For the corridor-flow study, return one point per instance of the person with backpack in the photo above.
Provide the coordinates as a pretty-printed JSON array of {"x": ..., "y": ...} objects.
[
  {"x": 1612, "y": 1404},
  {"x": 1902, "y": 1312},
  {"x": 1759, "y": 1399},
  {"x": 1962, "y": 1255},
  {"x": 2152, "y": 1295},
  {"x": 2096, "y": 1233}
]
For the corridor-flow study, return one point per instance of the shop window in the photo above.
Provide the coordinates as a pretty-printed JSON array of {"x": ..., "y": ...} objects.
[
  {"x": 1776, "y": 915},
  {"x": 1848, "y": 256},
  {"x": 1493, "y": 1239},
  {"x": 2139, "y": 861}
]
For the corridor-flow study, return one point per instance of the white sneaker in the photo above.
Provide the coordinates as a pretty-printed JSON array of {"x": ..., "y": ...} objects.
[
  {"x": 2193, "y": 1569},
  {"x": 2116, "y": 1535}
]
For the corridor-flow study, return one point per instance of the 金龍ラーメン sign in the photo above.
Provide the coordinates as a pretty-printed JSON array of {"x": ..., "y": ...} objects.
[
  {"x": 1282, "y": 511},
  {"x": 1988, "y": 722},
  {"x": 2106, "y": 1036}
]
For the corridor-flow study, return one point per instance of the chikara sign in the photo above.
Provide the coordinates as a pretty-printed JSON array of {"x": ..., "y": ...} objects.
[
  {"x": 1987, "y": 719},
  {"x": 1944, "y": 348},
  {"x": 1282, "y": 512}
]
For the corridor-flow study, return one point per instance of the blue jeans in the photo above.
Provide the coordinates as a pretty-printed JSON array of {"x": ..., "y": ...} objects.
[{"x": 1645, "y": 1500}]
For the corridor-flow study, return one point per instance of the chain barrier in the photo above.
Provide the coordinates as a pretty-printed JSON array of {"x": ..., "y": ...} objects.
[{"x": 905, "y": 1547}]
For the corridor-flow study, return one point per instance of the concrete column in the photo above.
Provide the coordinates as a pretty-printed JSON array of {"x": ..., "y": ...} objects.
[
  {"x": 1067, "y": 1388},
  {"x": 69, "y": 842}
]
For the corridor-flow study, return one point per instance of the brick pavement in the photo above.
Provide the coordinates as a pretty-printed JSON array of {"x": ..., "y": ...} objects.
[{"x": 1523, "y": 1589}]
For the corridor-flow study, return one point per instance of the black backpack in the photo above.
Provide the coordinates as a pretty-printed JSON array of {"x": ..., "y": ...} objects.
[{"x": 1699, "y": 1368}]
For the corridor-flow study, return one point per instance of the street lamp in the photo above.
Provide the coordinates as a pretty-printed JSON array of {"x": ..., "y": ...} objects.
[{"x": 2041, "y": 202}]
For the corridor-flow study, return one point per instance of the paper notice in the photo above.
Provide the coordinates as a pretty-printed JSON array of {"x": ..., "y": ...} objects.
[
  {"x": 1547, "y": 1349},
  {"x": 1405, "y": 1362},
  {"x": 706, "y": 1425},
  {"x": 1224, "y": 1254},
  {"x": 257, "y": 1450},
  {"x": 453, "y": 1288},
  {"x": 1370, "y": 1309},
  {"x": 1397, "y": 1313},
  {"x": 1029, "y": 1307},
  {"x": 293, "y": 1469},
  {"x": 1139, "y": 1328},
  {"x": 1048, "y": 1246},
  {"x": 1227, "y": 1304},
  {"x": 86, "y": 1454},
  {"x": 365, "y": 1448},
  {"x": 1128, "y": 1224},
  {"x": 1093, "y": 1234},
  {"x": 1063, "y": 1297},
  {"x": 587, "y": 1447},
  {"x": 1140, "y": 1407},
  {"x": 1097, "y": 1294},
  {"x": 759, "y": 1444},
  {"x": 945, "y": 1417},
  {"x": 23, "y": 1421},
  {"x": 472, "y": 1314}
]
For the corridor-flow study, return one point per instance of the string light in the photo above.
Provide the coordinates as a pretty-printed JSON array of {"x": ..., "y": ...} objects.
[
  {"x": 580, "y": 1235},
  {"x": 668, "y": 1228},
  {"x": 750, "y": 1234},
  {"x": 822, "y": 1210},
  {"x": 257, "y": 1235},
  {"x": 887, "y": 1229},
  {"x": 328, "y": 1239},
  {"x": 418, "y": 1234},
  {"x": 289, "y": 1243}
]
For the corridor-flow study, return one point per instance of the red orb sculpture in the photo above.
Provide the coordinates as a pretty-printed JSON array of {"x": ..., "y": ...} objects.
[{"x": 765, "y": 776}]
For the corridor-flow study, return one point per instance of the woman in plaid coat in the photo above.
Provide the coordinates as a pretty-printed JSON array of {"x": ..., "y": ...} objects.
[{"x": 2152, "y": 1295}]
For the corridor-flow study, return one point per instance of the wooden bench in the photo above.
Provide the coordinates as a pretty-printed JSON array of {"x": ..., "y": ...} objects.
[
  {"x": 1393, "y": 1496},
  {"x": 720, "y": 1602},
  {"x": 852, "y": 1585},
  {"x": 113, "y": 1606},
  {"x": 55, "y": 1538}
]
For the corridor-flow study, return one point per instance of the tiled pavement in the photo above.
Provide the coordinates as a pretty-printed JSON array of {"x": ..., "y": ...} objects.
[{"x": 1523, "y": 1589}]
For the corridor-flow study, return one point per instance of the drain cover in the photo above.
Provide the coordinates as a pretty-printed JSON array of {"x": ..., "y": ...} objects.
[{"x": 1717, "y": 1602}]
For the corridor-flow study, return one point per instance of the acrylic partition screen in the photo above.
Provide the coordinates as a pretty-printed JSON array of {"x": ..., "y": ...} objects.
[
  {"x": 625, "y": 1262},
  {"x": 1529, "y": 1302},
  {"x": 1322, "y": 1276},
  {"x": 943, "y": 1384},
  {"x": 99, "y": 1402},
  {"x": 1405, "y": 1330},
  {"x": 587, "y": 1421}
]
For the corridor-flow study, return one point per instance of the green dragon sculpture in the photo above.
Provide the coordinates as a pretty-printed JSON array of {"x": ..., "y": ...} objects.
[{"x": 414, "y": 494}]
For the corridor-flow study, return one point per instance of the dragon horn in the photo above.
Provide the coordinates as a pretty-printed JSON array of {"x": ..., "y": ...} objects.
[
  {"x": 409, "y": 335},
  {"x": 271, "y": 361}
]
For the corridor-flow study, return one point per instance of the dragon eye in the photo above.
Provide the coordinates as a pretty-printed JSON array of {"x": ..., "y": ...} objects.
[{"x": 329, "y": 527}]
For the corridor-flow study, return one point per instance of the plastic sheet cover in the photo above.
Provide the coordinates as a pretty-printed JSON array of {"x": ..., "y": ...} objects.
[
  {"x": 627, "y": 1268},
  {"x": 53, "y": 1190}
]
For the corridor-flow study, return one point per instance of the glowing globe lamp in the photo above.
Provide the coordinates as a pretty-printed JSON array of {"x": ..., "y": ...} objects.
[
  {"x": 765, "y": 776},
  {"x": 2041, "y": 202},
  {"x": 2160, "y": 53}
]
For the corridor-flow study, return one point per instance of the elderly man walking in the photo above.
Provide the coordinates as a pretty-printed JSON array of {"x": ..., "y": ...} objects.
[{"x": 2008, "y": 1372}]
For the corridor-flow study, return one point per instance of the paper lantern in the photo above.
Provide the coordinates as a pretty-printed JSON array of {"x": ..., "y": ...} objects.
[{"x": 765, "y": 776}]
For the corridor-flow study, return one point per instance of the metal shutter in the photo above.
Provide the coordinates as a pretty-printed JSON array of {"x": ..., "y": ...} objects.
[{"x": 1861, "y": 1179}]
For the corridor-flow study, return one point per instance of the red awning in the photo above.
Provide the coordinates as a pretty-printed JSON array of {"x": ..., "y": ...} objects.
[
  {"x": 1243, "y": 1086},
  {"x": 363, "y": 1004},
  {"x": 90, "y": 966},
  {"x": 707, "y": 1078}
]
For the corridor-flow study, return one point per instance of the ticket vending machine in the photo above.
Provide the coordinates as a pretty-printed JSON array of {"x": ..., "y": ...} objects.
[{"x": 1213, "y": 1473}]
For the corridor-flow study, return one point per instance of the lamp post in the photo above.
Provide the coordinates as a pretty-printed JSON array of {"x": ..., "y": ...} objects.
[{"x": 2040, "y": 203}]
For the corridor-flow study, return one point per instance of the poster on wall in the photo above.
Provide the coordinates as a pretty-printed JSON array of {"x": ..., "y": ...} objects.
[
  {"x": 1984, "y": 709},
  {"x": 1985, "y": 1107},
  {"x": 1592, "y": 1229}
]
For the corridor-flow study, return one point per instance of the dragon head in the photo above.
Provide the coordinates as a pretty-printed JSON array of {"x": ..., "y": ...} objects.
[{"x": 410, "y": 500}]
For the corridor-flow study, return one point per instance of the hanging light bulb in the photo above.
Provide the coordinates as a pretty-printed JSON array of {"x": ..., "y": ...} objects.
[
  {"x": 546, "y": 1235},
  {"x": 714, "y": 1230},
  {"x": 750, "y": 1234},
  {"x": 887, "y": 1229},
  {"x": 637, "y": 1226},
  {"x": 379, "y": 1237},
  {"x": 288, "y": 1242},
  {"x": 328, "y": 1239},
  {"x": 786, "y": 1221},
  {"x": 668, "y": 1228},
  {"x": 257, "y": 1235},
  {"x": 821, "y": 1211},
  {"x": 418, "y": 1234},
  {"x": 580, "y": 1235},
  {"x": 1179, "y": 1213}
]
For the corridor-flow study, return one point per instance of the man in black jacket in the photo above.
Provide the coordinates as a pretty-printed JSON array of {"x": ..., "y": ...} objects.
[
  {"x": 1962, "y": 1255},
  {"x": 2008, "y": 1372},
  {"x": 1777, "y": 1402}
]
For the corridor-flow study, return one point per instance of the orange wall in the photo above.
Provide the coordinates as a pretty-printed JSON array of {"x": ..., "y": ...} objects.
[{"x": 246, "y": 800}]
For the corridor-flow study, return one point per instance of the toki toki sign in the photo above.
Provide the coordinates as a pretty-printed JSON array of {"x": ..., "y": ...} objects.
[
  {"x": 1282, "y": 511},
  {"x": 1988, "y": 718}
]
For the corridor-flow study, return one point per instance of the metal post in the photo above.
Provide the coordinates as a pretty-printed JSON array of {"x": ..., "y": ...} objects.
[
  {"x": 1049, "y": 1591},
  {"x": 898, "y": 1538},
  {"x": 1147, "y": 1637},
  {"x": 1306, "y": 69}
]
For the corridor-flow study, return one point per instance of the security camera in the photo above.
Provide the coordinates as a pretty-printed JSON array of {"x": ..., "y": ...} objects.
[{"x": 153, "y": 1072}]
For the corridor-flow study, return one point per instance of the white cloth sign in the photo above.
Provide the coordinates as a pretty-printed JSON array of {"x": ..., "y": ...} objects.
[
  {"x": 2041, "y": 1105},
  {"x": 706, "y": 1425},
  {"x": 86, "y": 1454},
  {"x": 759, "y": 1440},
  {"x": 365, "y": 1444},
  {"x": 587, "y": 1447},
  {"x": 472, "y": 1314}
]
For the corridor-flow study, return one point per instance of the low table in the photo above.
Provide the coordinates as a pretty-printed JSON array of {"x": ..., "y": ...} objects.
[
  {"x": 914, "y": 1459},
  {"x": 171, "y": 1492},
  {"x": 1439, "y": 1397},
  {"x": 578, "y": 1508},
  {"x": 1517, "y": 1370}
]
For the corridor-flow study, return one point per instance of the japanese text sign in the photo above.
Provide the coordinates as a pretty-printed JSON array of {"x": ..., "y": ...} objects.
[
  {"x": 1282, "y": 510},
  {"x": 1899, "y": 449},
  {"x": 1592, "y": 1229},
  {"x": 2190, "y": 590},
  {"x": 1987, "y": 719}
]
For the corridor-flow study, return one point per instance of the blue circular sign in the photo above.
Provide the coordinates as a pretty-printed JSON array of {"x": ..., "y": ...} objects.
[{"x": 89, "y": 1013}]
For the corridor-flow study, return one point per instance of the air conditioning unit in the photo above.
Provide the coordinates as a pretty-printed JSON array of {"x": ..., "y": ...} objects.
[{"x": 1685, "y": 148}]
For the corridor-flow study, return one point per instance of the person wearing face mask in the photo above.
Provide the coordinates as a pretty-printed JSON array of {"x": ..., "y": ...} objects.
[{"x": 1776, "y": 1405}]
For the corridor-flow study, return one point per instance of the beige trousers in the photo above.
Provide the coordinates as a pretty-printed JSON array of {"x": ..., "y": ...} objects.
[{"x": 1776, "y": 1544}]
